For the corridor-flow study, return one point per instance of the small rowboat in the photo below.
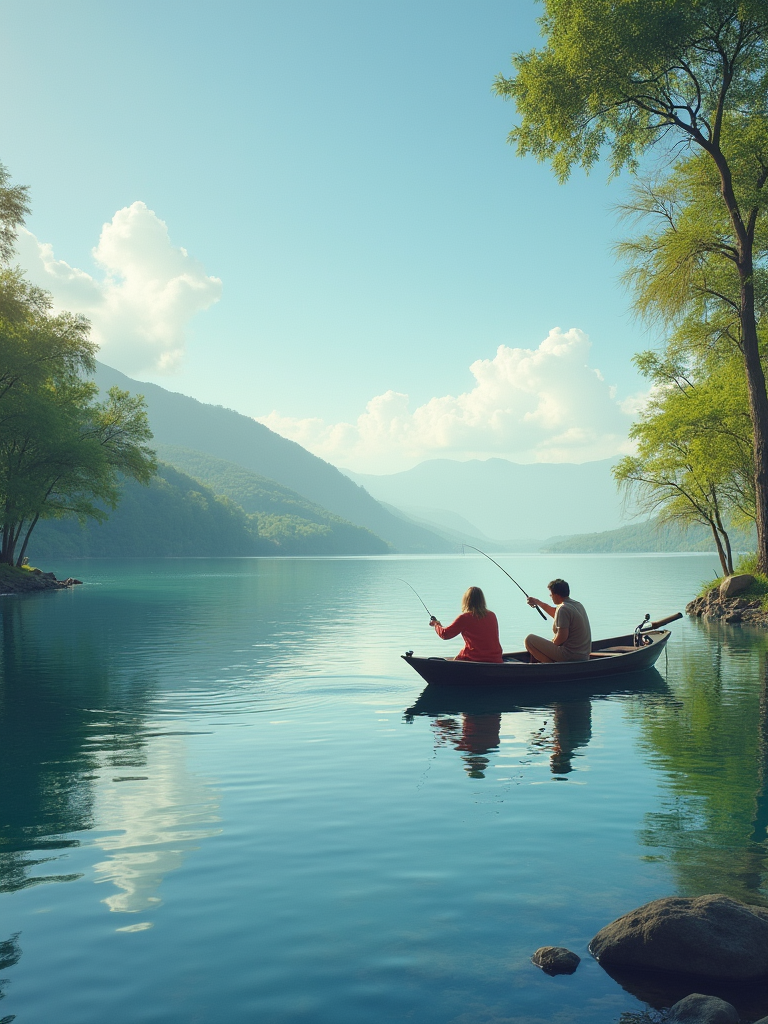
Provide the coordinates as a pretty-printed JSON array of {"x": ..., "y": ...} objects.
[{"x": 616, "y": 655}]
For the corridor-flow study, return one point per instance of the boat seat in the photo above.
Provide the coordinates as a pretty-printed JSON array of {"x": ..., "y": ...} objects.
[
  {"x": 614, "y": 650},
  {"x": 604, "y": 654}
]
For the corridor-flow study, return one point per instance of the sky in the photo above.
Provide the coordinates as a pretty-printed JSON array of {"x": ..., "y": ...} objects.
[{"x": 308, "y": 212}]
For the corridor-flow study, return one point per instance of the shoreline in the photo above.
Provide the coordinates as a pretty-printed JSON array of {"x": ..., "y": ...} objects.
[{"x": 14, "y": 580}]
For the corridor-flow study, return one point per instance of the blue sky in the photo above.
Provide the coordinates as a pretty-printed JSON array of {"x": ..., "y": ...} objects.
[{"x": 342, "y": 170}]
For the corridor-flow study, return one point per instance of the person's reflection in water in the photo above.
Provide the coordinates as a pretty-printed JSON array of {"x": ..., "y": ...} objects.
[
  {"x": 571, "y": 728},
  {"x": 480, "y": 735}
]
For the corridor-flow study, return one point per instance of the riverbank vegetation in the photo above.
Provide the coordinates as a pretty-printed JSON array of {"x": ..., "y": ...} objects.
[
  {"x": 757, "y": 591},
  {"x": 689, "y": 84}
]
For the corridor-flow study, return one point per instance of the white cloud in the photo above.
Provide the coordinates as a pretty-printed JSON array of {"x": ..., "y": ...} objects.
[
  {"x": 529, "y": 405},
  {"x": 150, "y": 291}
]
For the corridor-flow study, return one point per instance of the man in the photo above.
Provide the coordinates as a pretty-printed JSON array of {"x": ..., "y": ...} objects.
[{"x": 573, "y": 637}]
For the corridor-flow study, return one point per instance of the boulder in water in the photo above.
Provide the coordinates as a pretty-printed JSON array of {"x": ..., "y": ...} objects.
[
  {"x": 699, "y": 1009},
  {"x": 712, "y": 935},
  {"x": 556, "y": 960}
]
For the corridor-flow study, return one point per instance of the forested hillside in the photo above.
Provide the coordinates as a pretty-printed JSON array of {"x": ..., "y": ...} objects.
[
  {"x": 175, "y": 515},
  {"x": 182, "y": 421},
  {"x": 649, "y": 536}
]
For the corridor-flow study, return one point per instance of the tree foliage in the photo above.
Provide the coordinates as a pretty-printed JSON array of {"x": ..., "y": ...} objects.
[
  {"x": 693, "y": 462},
  {"x": 60, "y": 449},
  {"x": 617, "y": 77},
  {"x": 14, "y": 206},
  {"x": 621, "y": 74}
]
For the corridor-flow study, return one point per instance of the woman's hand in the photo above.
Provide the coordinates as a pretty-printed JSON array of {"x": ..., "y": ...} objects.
[{"x": 435, "y": 622}]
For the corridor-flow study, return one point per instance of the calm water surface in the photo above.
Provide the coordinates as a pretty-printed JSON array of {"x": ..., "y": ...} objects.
[{"x": 224, "y": 797}]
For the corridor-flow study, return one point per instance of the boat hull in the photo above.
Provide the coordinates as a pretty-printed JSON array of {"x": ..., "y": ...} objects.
[{"x": 517, "y": 667}]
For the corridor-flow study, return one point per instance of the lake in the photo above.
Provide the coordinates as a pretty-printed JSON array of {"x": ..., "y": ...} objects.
[{"x": 223, "y": 799}]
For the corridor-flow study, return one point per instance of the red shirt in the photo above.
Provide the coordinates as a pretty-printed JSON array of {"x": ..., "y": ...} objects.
[{"x": 481, "y": 636}]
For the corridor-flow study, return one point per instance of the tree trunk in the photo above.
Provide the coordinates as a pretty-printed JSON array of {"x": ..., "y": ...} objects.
[
  {"x": 9, "y": 544},
  {"x": 758, "y": 410},
  {"x": 726, "y": 539},
  {"x": 719, "y": 545},
  {"x": 758, "y": 399},
  {"x": 726, "y": 543},
  {"x": 23, "y": 551}
]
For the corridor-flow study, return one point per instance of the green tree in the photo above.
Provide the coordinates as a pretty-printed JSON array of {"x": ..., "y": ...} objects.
[
  {"x": 694, "y": 449},
  {"x": 63, "y": 453},
  {"x": 14, "y": 207},
  {"x": 35, "y": 344},
  {"x": 628, "y": 75}
]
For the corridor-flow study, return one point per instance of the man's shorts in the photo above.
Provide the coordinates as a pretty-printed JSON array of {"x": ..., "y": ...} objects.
[{"x": 552, "y": 651}]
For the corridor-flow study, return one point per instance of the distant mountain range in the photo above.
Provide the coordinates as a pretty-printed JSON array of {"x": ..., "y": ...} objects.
[
  {"x": 229, "y": 485},
  {"x": 505, "y": 499},
  {"x": 183, "y": 422}
]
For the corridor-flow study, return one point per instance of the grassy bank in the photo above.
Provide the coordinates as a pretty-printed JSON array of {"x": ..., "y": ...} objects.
[{"x": 758, "y": 591}]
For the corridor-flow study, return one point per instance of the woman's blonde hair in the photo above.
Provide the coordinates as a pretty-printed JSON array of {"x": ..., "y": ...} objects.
[{"x": 474, "y": 601}]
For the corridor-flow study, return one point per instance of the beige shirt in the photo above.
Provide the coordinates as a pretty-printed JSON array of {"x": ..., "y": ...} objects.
[{"x": 571, "y": 615}]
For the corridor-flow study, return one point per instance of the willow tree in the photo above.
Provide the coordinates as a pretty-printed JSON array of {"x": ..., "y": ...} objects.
[
  {"x": 693, "y": 459},
  {"x": 617, "y": 78}
]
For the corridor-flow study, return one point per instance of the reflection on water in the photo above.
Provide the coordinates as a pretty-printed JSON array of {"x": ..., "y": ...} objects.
[
  {"x": 474, "y": 725},
  {"x": 72, "y": 728},
  {"x": 209, "y": 762},
  {"x": 10, "y": 954},
  {"x": 711, "y": 747},
  {"x": 155, "y": 822},
  {"x": 479, "y": 735}
]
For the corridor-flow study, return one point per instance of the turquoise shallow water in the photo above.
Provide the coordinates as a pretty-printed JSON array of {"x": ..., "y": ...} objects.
[{"x": 224, "y": 797}]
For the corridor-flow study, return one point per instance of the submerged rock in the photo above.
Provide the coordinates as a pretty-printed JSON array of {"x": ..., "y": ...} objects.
[
  {"x": 699, "y": 1009},
  {"x": 713, "y": 935},
  {"x": 556, "y": 960}
]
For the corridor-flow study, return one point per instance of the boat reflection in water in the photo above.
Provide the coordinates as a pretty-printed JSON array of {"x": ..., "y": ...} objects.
[{"x": 469, "y": 718}]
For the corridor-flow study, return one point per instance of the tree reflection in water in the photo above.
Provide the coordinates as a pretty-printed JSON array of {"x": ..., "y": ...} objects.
[
  {"x": 77, "y": 750},
  {"x": 711, "y": 747},
  {"x": 10, "y": 954}
]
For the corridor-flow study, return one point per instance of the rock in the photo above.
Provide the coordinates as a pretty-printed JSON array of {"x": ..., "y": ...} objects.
[
  {"x": 712, "y": 935},
  {"x": 734, "y": 616},
  {"x": 699, "y": 1009},
  {"x": 556, "y": 960},
  {"x": 732, "y": 585}
]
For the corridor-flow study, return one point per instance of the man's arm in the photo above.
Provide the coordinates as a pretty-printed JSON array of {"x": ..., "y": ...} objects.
[
  {"x": 534, "y": 602},
  {"x": 560, "y": 636}
]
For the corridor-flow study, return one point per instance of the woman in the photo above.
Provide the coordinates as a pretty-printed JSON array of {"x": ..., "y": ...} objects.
[{"x": 478, "y": 627}]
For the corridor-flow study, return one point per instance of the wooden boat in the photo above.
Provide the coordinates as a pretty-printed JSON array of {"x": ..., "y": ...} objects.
[{"x": 616, "y": 655}]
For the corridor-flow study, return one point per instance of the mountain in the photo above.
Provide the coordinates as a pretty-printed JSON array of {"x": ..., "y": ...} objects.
[
  {"x": 457, "y": 530},
  {"x": 272, "y": 504},
  {"x": 178, "y": 516},
  {"x": 506, "y": 499},
  {"x": 211, "y": 429},
  {"x": 649, "y": 536}
]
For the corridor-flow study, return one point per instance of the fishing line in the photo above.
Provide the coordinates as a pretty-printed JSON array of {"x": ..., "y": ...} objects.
[
  {"x": 429, "y": 613},
  {"x": 541, "y": 613}
]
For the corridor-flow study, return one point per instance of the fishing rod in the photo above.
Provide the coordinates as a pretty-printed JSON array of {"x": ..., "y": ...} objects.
[
  {"x": 429, "y": 613},
  {"x": 541, "y": 613}
]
